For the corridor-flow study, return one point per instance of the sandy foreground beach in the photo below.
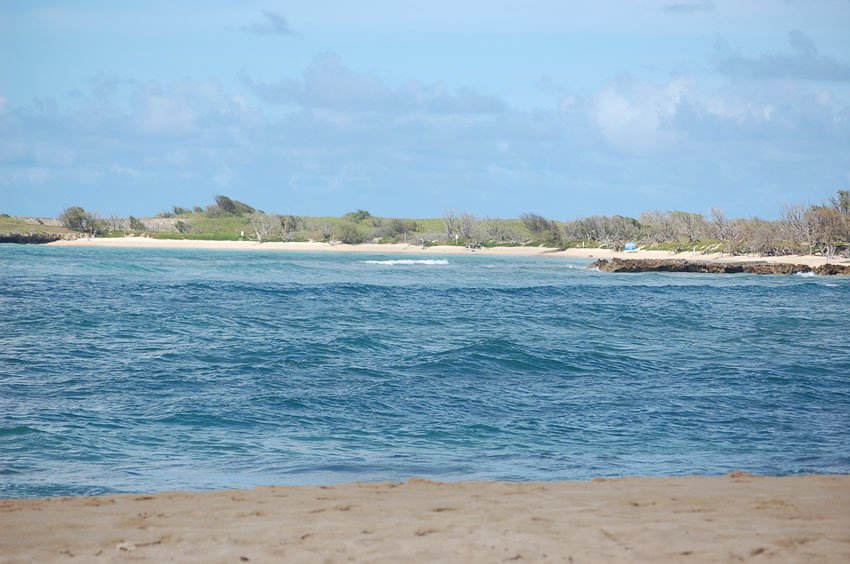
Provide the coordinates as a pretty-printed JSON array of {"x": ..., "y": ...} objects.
[
  {"x": 734, "y": 518},
  {"x": 438, "y": 250}
]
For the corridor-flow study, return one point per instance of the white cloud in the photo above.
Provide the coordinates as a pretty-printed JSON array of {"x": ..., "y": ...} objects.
[
  {"x": 330, "y": 135},
  {"x": 634, "y": 116},
  {"x": 160, "y": 113},
  {"x": 24, "y": 176},
  {"x": 329, "y": 84},
  {"x": 125, "y": 171}
]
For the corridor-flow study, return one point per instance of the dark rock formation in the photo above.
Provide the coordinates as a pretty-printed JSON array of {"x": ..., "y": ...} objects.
[
  {"x": 832, "y": 269},
  {"x": 681, "y": 265},
  {"x": 30, "y": 238}
]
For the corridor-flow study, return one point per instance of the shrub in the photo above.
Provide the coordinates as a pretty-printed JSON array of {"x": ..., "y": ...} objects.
[
  {"x": 232, "y": 207},
  {"x": 357, "y": 216},
  {"x": 78, "y": 219},
  {"x": 395, "y": 227},
  {"x": 347, "y": 232},
  {"x": 137, "y": 225}
]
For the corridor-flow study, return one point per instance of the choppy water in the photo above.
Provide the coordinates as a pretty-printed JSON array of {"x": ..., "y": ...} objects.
[{"x": 143, "y": 370}]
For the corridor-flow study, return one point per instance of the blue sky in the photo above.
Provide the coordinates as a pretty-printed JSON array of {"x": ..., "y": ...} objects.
[{"x": 412, "y": 109}]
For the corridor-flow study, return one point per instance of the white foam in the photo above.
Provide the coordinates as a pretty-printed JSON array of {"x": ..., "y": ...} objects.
[
  {"x": 409, "y": 262},
  {"x": 806, "y": 274}
]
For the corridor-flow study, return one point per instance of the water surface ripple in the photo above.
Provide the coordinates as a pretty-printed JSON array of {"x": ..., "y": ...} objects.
[{"x": 146, "y": 370}]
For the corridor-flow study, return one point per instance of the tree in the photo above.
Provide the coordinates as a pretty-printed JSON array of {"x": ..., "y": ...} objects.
[
  {"x": 718, "y": 226},
  {"x": 468, "y": 225},
  {"x": 264, "y": 226},
  {"x": 357, "y": 216},
  {"x": 289, "y": 224},
  {"x": 841, "y": 202},
  {"x": 797, "y": 227},
  {"x": 347, "y": 232},
  {"x": 396, "y": 227},
  {"x": 658, "y": 226},
  {"x": 78, "y": 219},
  {"x": 687, "y": 226},
  {"x": 542, "y": 229},
  {"x": 498, "y": 230},
  {"x": 136, "y": 225},
  {"x": 759, "y": 236},
  {"x": 228, "y": 206},
  {"x": 827, "y": 227},
  {"x": 451, "y": 224}
]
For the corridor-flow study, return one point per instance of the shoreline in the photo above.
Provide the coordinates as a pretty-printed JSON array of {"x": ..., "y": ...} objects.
[
  {"x": 692, "y": 519},
  {"x": 442, "y": 250}
]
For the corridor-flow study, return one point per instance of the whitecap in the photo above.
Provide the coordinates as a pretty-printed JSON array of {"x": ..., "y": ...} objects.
[
  {"x": 409, "y": 262},
  {"x": 806, "y": 274}
]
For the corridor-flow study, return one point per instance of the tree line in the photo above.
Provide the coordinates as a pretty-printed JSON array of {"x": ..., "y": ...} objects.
[{"x": 801, "y": 229}]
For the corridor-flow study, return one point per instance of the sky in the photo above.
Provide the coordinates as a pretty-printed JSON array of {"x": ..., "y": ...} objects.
[{"x": 496, "y": 107}]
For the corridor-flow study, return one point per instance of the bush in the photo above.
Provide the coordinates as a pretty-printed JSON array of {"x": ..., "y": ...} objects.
[
  {"x": 78, "y": 219},
  {"x": 357, "y": 216},
  {"x": 136, "y": 225},
  {"x": 182, "y": 227},
  {"x": 537, "y": 224},
  {"x": 232, "y": 207},
  {"x": 348, "y": 233},
  {"x": 395, "y": 227}
]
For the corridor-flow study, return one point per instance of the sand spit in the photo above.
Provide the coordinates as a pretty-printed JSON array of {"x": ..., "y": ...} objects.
[
  {"x": 400, "y": 248},
  {"x": 691, "y": 519}
]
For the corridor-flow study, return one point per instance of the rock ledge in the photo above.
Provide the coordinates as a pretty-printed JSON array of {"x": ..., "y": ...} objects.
[{"x": 682, "y": 265}]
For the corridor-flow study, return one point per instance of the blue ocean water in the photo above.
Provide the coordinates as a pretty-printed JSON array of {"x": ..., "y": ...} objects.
[{"x": 146, "y": 370}]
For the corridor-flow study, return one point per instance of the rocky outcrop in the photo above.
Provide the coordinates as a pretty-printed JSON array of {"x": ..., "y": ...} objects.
[
  {"x": 833, "y": 269},
  {"x": 33, "y": 238},
  {"x": 681, "y": 265}
]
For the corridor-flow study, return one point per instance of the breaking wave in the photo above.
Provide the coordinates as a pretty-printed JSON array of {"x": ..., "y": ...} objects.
[{"x": 409, "y": 262}]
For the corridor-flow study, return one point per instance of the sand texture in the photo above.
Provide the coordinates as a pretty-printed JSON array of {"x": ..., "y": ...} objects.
[{"x": 694, "y": 519}]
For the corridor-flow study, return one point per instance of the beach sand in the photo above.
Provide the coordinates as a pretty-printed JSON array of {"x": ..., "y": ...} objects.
[
  {"x": 689, "y": 519},
  {"x": 145, "y": 242}
]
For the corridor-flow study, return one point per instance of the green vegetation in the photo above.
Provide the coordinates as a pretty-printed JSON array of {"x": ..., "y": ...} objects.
[
  {"x": 12, "y": 224},
  {"x": 807, "y": 229},
  {"x": 136, "y": 225},
  {"x": 77, "y": 219}
]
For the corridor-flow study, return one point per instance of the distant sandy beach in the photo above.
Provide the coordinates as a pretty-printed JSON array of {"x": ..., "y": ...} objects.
[
  {"x": 145, "y": 242},
  {"x": 691, "y": 519}
]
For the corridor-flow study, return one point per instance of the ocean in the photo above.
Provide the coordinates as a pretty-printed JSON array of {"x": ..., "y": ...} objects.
[{"x": 137, "y": 370}]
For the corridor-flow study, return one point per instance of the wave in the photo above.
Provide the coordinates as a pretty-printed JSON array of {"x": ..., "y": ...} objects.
[
  {"x": 19, "y": 430},
  {"x": 409, "y": 262},
  {"x": 809, "y": 274}
]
